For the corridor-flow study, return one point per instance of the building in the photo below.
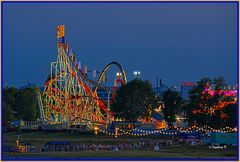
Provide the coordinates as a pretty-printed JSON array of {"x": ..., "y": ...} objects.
[
  {"x": 162, "y": 88},
  {"x": 185, "y": 88}
]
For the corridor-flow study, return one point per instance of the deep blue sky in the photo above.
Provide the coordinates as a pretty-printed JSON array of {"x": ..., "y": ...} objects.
[{"x": 176, "y": 41}]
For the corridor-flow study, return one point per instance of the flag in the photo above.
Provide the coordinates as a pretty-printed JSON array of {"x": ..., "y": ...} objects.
[
  {"x": 85, "y": 69},
  {"x": 75, "y": 63},
  {"x": 79, "y": 65},
  {"x": 104, "y": 78},
  {"x": 60, "y": 31},
  {"x": 73, "y": 56},
  {"x": 63, "y": 40},
  {"x": 67, "y": 48},
  {"x": 70, "y": 52},
  {"x": 94, "y": 73}
]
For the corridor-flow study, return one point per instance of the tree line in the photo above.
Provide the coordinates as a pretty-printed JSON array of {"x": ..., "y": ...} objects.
[
  {"x": 208, "y": 109},
  {"x": 20, "y": 104},
  {"x": 137, "y": 100}
]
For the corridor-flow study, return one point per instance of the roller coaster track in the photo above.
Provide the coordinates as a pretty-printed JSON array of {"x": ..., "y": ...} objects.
[{"x": 68, "y": 96}]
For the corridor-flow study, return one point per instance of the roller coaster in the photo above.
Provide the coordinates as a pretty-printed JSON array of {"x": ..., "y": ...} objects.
[{"x": 69, "y": 96}]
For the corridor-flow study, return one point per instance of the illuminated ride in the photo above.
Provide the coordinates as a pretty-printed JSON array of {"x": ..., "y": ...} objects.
[
  {"x": 69, "y": 96},
  {"x": 116, "y": 82},
  {"x": 231, "y": 96}
]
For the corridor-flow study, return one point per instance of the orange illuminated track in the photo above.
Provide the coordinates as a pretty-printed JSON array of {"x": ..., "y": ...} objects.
[{"x": 67, "y": 96}]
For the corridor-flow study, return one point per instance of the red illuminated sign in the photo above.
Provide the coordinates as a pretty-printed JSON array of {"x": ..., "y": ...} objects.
[{"x": 187, "y": 83}]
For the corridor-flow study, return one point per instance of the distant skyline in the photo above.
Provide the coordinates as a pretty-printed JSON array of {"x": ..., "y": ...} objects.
[{"x": 175, "y": 41}]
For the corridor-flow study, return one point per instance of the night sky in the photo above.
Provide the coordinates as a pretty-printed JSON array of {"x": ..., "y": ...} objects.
[{"x": 176, "y": 41}]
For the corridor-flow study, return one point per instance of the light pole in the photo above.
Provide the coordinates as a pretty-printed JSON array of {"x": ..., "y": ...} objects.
[
  {"x": 96, "y": 129},
  {"x": 116, "y": 132},
  {"x": 108, "y": 109},
  {"x": 17, "y": 142},
  {"x": 119, "y": 75},
  {"x": 137, "y": 74}
]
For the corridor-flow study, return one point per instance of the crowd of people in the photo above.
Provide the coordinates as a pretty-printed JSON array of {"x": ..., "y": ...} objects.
[{"x": 142, "y": 144}]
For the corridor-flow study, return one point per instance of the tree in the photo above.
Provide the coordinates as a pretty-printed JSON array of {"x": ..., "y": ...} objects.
[
  {"x": 219, "y": 84},
  {"x": 8, "y": 115},
  {"x": 9, "y": 105},
  {"x": 27, "y": 105},
  {"x": 9, "y": 97},
  {"x": 216, "y": 120},
  {"x": 172, "y": 104},
  {"x": 231, "y": 111},
  {"x": 20, "y": 104},
  {"x": 200, "y": 103},
  {"x": 134, "y": 100},
  {"x": 204, "y": 105}
]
